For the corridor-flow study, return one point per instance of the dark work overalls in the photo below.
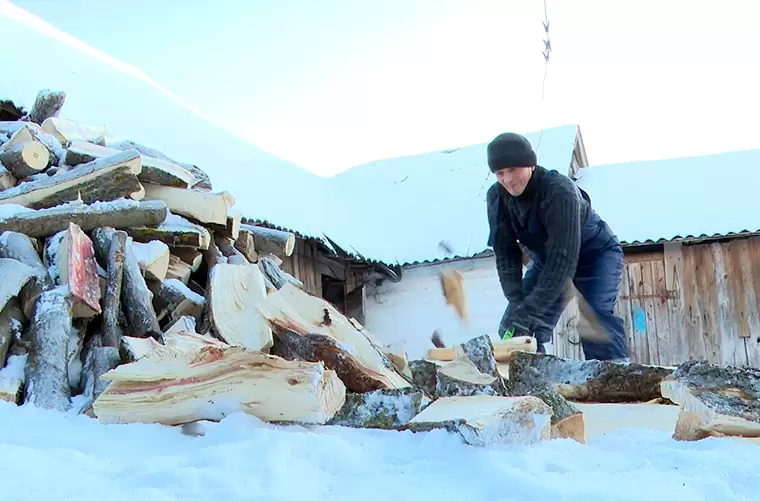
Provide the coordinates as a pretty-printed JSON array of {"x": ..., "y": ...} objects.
[{"x": 597, "y": 278}]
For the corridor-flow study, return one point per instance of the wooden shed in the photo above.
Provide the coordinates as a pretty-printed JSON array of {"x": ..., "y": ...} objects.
[
  {"x": 695, "y": 299},
  {"x": 691, "y": 238}
]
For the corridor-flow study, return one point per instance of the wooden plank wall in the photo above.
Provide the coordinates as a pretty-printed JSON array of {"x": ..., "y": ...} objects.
[
  {"x": 687, "y": 302},
  {"x": 308, "y": 265}
]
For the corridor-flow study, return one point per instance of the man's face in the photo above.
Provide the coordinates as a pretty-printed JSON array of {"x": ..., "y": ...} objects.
[{"x": 514, "y": 179}]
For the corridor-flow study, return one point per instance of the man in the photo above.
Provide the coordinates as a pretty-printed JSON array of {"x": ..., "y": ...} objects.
[{"x": 566, "y": 240}]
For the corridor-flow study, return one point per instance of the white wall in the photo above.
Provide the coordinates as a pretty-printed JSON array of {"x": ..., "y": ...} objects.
[{"x": 413, "y": 308}]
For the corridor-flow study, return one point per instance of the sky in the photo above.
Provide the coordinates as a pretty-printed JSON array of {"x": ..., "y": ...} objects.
[{"x": 337, "y": 83}]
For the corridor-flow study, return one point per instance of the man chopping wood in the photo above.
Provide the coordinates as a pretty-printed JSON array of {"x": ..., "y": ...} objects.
[{"x": 565, "y": 239}]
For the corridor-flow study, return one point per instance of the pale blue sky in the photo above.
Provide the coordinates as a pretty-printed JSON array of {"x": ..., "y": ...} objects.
[{"x": 330, "y": 84}]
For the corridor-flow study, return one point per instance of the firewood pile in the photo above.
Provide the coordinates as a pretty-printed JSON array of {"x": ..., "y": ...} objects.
[{"x": 134, "y": 293}]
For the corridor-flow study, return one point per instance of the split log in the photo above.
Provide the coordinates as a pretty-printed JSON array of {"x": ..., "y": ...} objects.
[
  {"x": 600, "y": 381},
  {"x": 154, "y": 170},
  {"x": 104, "y": 179},
  {"x": 714, "y": 400},
  {"x": 174, "y": 231},
  {"x": 70, "y": 258},
  {"x": 380, "y": 409},
  {"x": 47, "y": 104},
  {"x": 14, "y": 275},
  {"x": 12, "y": 378},
  {"x": 11, "y": 327},
  {"x": 270, "y": 241},
  {"x": 276, "y": 276},
  {"x": 68, "y": 130},
  {"x": 244, "y": 243},
  {"x": 25, "y": 159},
  {"x": 201, "y": 206},
  {"x": 134, "y": 348},
  {"x": 461, "y": 378},
  {"x": 396, "y": 353},
  {"x": 195, "y": 377},
  {"x": 47, "y": 378},
  {"x": 6, "y": 178},
  {"x": 424, "y": 375},
  {"x": 316, "y": 330},
  {"x": 176, "y": 300},
  {"x": 485, "y": 420},
  {"x": 233, "y": 292},
  {"x": 503, "y": 350},
  {"x": 152, "y": 258},
  {"x": 211, "y": 257},
  {"x": 567, "y": 420},
  {"x": 114, "y": 283},
  {"x": 117, "y": 214},
  {"x": 136, "y": 298},
  {"x": 21, "y": 248},
  {"x": 178, "y": 269},
  {"x": 189, "y": 256}
]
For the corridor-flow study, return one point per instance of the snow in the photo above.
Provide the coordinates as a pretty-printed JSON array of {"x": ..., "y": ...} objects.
[
  {"x": 12, "y": 375},
  {"x": 241, "y": 458},
  {"x": 680, "y": 197},
  {"x": 149, "y": 252}
]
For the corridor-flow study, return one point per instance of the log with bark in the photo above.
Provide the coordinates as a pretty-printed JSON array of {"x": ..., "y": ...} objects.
[
  {"x": 21, "y": 248},
  {"x": 12, "y": 377},
  {"x": 380, "y": 409},
  {"x": 111, "y": 333},
  {"x": 191, "y": 257},
  {"x": 424, "y": 375},
  {"x": 233, "y": 292},
  {"x": 714, "y": 400},
  {"x": 244, "y": 243},
  {"x": 99, "y": 360},
  {"x": 195, "y": 377},
  {"x": 485, "y": 420},
  {"x": 312, "y": 329},
  {"x": 11, "y": 327},
  {"x": 136, "y": 298},
  {"x": 174, "y": 231},
  {"x": 47, "y": 377},
  {"x": 117, "y": 214},
  {"x": 21, "y": 132},
  {"x": 25, "y": 159},
  {"x": 270, "y": 241},
  {"x": 105, "y": 179},
  {"x": 70, "y": 258},
  {"x": 227, "y": 248},
  {"x": 47, "y": 104},
  {"x": 178, "y": 269},
  {"x": 154, "y": 170},
  {"x": 6, "y": 178},
  {"x": 589, "y": 380},
  {"x": 278, "y": 278},
  {"x": 201, "y": 206},
  {"x": 203, "y": 182}
]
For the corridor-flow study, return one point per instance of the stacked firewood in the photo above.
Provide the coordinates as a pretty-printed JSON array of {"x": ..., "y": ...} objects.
[{"x": 133, "y": 292}]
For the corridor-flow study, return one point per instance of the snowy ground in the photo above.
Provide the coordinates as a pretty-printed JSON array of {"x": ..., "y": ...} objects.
[{"x": 51, "y": 456}]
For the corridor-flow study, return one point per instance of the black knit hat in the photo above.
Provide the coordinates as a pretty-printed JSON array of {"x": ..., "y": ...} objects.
[{"x": 510, "y": 150}]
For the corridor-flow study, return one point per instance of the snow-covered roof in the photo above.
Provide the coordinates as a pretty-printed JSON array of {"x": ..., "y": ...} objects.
[{"x": 680, "y": 198}]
